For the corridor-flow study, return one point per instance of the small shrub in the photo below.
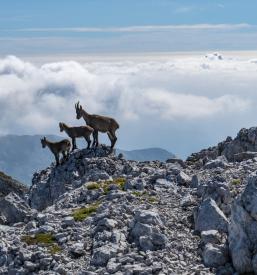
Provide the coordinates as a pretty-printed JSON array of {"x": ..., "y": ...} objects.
[
  {"x": 54, "y": 249},
  {"x": 40, "y": 238},
  {"x": 152, "y": 199},
  {"x": 120, "y": 182},
  {"x": 137, "y": 194},
  {"x": 106, "y": 188},
  {"x": 235, "y": 181},
  {"x": 84, "y": 212},
  {"x": 43, "y": 239},
  {"x": 93, "y": 186}
]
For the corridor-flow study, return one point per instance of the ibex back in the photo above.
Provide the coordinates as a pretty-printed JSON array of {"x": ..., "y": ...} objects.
[{"x": 77, "y": 132}]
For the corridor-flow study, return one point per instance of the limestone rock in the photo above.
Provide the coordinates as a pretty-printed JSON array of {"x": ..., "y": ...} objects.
[
  {"x": 214, "y": 255},
  {"x": 239, "y": 244},
  {"x": 210, "y": 217},
  {"x": 249, "y": 196},
  {"x": 14, "y": 209}
]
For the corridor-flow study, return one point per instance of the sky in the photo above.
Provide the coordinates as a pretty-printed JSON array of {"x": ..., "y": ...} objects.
[
  {"x": 99, "y": 26},
  {"x": 180, "y": 75}
]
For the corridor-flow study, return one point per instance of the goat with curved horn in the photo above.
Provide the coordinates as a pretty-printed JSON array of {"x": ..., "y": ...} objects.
[{"x": 99, "y": 123}]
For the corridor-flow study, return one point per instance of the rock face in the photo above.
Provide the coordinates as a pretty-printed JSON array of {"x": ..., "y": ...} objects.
[
  {"x": 243, "y": 229},
  {"x": 50, "y": 184},
  {"x": 210, "y": 217},
  {"x": 243, "y": 147},
  {"x": 13, "y": 209}
]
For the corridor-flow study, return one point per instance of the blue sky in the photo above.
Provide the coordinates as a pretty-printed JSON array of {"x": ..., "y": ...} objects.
[
  {"x": 102, "y": 13},
  {"x": 99, "y": 26}
]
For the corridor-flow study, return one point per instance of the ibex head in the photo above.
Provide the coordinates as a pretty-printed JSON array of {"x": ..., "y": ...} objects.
[
  {"x": 78, "y": 110},
  {"x": 61, "y": 127},
  {"x": 43, "y": 142}
]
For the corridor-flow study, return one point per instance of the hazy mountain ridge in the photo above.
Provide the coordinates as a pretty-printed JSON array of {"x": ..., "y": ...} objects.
[
  {"x": 147, "y": 154},
  {"x": 21, "y": 156}
]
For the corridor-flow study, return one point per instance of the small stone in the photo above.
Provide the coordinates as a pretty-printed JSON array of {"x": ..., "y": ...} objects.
[
  {"x": 113, "y": 266},
  {"x": 77, "y": 249},
  {"x": 183, "y": 179},
  {"x": 68, "y": 221},
  {"x": 148, "y": 217},
  {"x": 210, "y": 236},
  {"x": 214, "y": 255}
]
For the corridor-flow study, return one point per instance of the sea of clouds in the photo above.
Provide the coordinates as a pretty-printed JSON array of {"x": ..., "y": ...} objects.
[{"x": 181, "y": 104}]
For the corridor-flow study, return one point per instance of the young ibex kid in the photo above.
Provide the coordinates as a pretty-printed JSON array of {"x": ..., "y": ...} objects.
[
  {"x": 99, "y": 123},
  {"x": 56, "y": 148},
  {"x": 77, "y": 132}
]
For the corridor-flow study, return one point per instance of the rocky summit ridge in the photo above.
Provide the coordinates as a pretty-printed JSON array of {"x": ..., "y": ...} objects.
[{"x": 99, "y": 213}]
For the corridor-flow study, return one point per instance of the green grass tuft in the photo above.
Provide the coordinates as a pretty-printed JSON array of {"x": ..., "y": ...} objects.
[
  {"x": 106, "y": 187},
  {"x": 84, "y": 212},
  {"x": 93, "y": 186},
  {"x": 40, "y": 238},
  {"x": 43, "y": 239},
  {"x": 137, "y": 194},
  {"x": 120, "y": 182},
  {"x": 145, "y": 196},
  {"x": 54, "y": 249},
  {"x": 152, "y": 199},
  {"x": 236, "y": 181}
]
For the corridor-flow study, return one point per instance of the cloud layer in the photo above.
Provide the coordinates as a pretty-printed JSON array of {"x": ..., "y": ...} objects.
[
  {"x": 146, "y": 28},
  {"x": 142, "y": 96}
]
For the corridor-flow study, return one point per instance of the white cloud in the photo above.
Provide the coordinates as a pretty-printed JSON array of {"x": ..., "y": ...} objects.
[
  {"x": 146, "y": 28},
  {"x": 139, "y": 94},
  {"x": 131, "y": 39}
]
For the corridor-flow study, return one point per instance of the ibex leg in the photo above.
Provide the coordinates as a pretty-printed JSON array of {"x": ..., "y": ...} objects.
[
  {"x": 64, "y": 156},
  {"x": 95, "y": 135},
  {"x": 74, "y": 146},
  {"x": 57, "y": 159},
  {"x": 88, "y": 142},
  {"x": 113, "y": 138}
]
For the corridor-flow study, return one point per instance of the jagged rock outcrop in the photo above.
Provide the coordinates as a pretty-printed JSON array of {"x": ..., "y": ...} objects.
[
  {"x": 242, "y": 147},
  {"x": 243, "y": 229},
  {"x": 82, "y": 166},
  {"x": 14, "y": 209}
]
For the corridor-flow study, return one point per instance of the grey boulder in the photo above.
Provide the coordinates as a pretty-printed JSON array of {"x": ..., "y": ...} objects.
[
  {"x": 210, "y": 217},
  {"x": 214, "y": 255},
  {"x": 14, "y": 209}
]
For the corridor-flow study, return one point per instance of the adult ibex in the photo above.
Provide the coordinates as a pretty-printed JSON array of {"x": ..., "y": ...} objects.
[
  {"x": 56, "y": 148},
  {"x": 99, "y": 123},
  {"x": 76, "y": 132}
]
